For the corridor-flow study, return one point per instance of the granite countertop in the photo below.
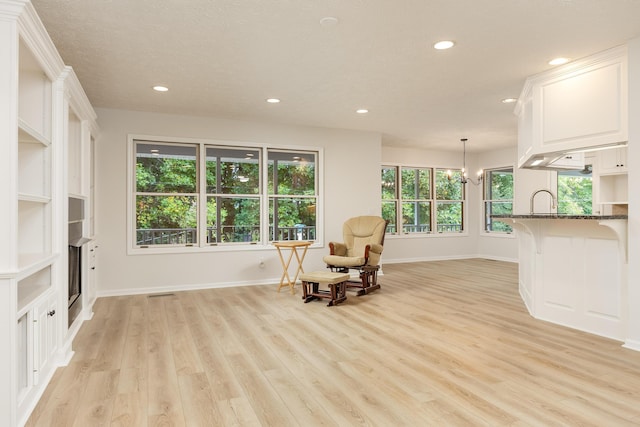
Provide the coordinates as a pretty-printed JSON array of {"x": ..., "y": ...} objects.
[{"x": 561, "y": 216}]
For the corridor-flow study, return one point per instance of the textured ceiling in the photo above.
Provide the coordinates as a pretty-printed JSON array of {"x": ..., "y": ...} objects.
[{"x": 225, "y": 57}]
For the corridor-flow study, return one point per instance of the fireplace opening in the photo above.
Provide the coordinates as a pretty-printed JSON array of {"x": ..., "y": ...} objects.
[
  {"x": 76, "y": 242},
  {"x": 75, "y": 282}
]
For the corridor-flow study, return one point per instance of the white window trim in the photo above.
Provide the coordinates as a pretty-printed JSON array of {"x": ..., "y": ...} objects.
[
  {"x": 496, "y": 234},
  {"x": 432, "y": 234},
  {"x": 264, "y": 213}
]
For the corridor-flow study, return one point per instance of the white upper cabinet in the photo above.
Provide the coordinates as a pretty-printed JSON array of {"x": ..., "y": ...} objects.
[
  {"x": 612, "y": 161},
  {"x": 582, "y": 105}
]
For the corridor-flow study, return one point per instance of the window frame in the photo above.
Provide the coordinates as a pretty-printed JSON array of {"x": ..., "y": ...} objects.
[
  {"x": 202, "y": 144},
  {"x": 483, "y": 208},
  {"x": 433, "y": 201}
]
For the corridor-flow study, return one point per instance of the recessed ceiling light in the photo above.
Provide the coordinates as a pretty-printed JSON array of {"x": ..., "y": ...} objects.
[
  {"x": 329, "y": 21},
  {"x": 509, "y": 100},
  {"x": 558, "y": 61},
  {"x": 444, "y": 44},
  {"x": 160, "y": 88},
  {"x": 273, "y": 100},
  {"x": 362, "y": 111}
]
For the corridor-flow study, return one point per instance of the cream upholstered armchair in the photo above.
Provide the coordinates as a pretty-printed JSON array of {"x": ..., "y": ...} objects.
[{"x": 361, "y": 250}]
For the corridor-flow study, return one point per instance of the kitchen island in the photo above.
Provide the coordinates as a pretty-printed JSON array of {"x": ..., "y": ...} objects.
[{"x": 573, "y": 269}]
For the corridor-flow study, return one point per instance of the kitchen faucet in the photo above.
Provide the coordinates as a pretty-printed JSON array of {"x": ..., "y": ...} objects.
[{"x": 553, "y": 198}]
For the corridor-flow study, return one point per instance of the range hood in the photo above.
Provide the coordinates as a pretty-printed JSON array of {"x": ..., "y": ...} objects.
[
  {"x": 555, "y": 161},
  {"x": 565, "y": 160}
]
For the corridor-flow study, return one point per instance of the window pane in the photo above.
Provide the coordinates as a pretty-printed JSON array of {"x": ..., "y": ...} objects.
[
  {"x": 415, "y": 183},
  {"x": 295, "y": 218},
  {"x": 166, "y": 168},
  {"x": 499, "y": 184},
  {"x": 497, "y": 208},
  {"x": 575, "y": 196},
  {"x": 449, "y": 188},
  {"x": 166, "y": 220},
  {"x": 239, "y": 219},
  {"x": 233, "y": 170},
  {"x": 416, "y": 217},
  {"x": 389, "y": 183},
  {"x": 292, "y": 173},
  {"x": 390, "y": 213},
  {"x": 449, "y": 216}
]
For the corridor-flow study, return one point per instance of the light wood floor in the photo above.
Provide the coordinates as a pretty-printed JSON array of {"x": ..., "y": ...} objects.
[{"x": 442, "y": 343}]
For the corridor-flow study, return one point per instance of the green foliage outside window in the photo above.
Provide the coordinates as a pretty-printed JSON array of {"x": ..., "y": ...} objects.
[
  {"x": 292, "y": 195},
  {"x": 166, "y": 182},
  {"x": 167, "y": 194},
  {"x": 389, "y": 199},
  {"x": 498, "y": 194},
  {"x": 416, "y": 206},
  {"x": 449, "y": 199},
  {"x": 413, "y": 192},
  {"x": 575, "y": 195},
  {"x": 233, "y": 183}
]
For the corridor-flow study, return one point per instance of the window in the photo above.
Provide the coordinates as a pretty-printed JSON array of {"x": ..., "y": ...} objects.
[
  {"x": 390, "y": 198},
  {"x": 498, "y": 198},
  {"x": 233, "y": 195},
  {"x": 449, "y": 201},
  {"x": 166, "y": 197},
  {"x": 293, "y": 196},
  {"x": 416, "y": 200},
  {"x": 575, "y": 195},
  {"x": 408, "y": 199},
  {"x": 200, "y": 194}
]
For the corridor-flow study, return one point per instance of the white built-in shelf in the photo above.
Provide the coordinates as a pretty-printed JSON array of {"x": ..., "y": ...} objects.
[
  {"x": 33, "y": 198},
  {"x": 27, "y": 134},
  {"x": 31, "y": 287},
  {"x": 614, "y": 189},
  {"x": 29, "y": 263}
]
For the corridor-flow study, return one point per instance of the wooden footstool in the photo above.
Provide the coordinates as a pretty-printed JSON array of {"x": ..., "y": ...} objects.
[{"x": 337, "y": 283}]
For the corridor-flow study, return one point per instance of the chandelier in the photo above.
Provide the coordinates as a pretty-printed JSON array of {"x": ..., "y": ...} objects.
[{"x": 463, "y": 179}]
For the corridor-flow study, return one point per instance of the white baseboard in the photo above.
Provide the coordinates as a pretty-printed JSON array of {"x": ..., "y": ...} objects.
[
  {"x": 185, "y": 287},
  {"x": 447, "y": 258},
  {"x": 632, "y": 344}
]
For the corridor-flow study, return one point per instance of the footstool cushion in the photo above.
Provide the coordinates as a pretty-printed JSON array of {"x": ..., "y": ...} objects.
[{"x": 335, "y": 281}]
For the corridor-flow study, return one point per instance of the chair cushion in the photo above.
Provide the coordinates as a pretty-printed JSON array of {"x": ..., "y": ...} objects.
[{"x": 344, "y": 261}]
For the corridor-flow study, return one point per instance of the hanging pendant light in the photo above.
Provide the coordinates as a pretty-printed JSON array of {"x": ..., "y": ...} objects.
[{"x": 463, "y": 175}]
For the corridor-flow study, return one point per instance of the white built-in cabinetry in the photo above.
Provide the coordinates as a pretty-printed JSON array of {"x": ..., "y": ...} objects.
[
  {"x": 43, "y": 113},
  {"x": 582, "y": 105},
  {"x": 613, "y": 161},
  {"x": 611, "y": 172}
]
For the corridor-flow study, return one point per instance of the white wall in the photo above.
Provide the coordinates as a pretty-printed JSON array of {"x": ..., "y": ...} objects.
[
  {"x": 633, "y": 161},
  {"x": 351, "y": 188}
]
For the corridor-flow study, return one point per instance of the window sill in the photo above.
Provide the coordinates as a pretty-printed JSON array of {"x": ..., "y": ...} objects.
[
  {"x": 498, "y": 235},
  {"x": 425, "y": 235},
  {"x": 227, "y": 247}
]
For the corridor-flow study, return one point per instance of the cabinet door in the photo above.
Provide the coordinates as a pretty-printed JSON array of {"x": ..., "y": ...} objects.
[
  {"x": 612, "y": 161},
  {"x": 45, "y": 337},
  {"x": 24, "y": 350},
  {"x": 584, "y": 107}
]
